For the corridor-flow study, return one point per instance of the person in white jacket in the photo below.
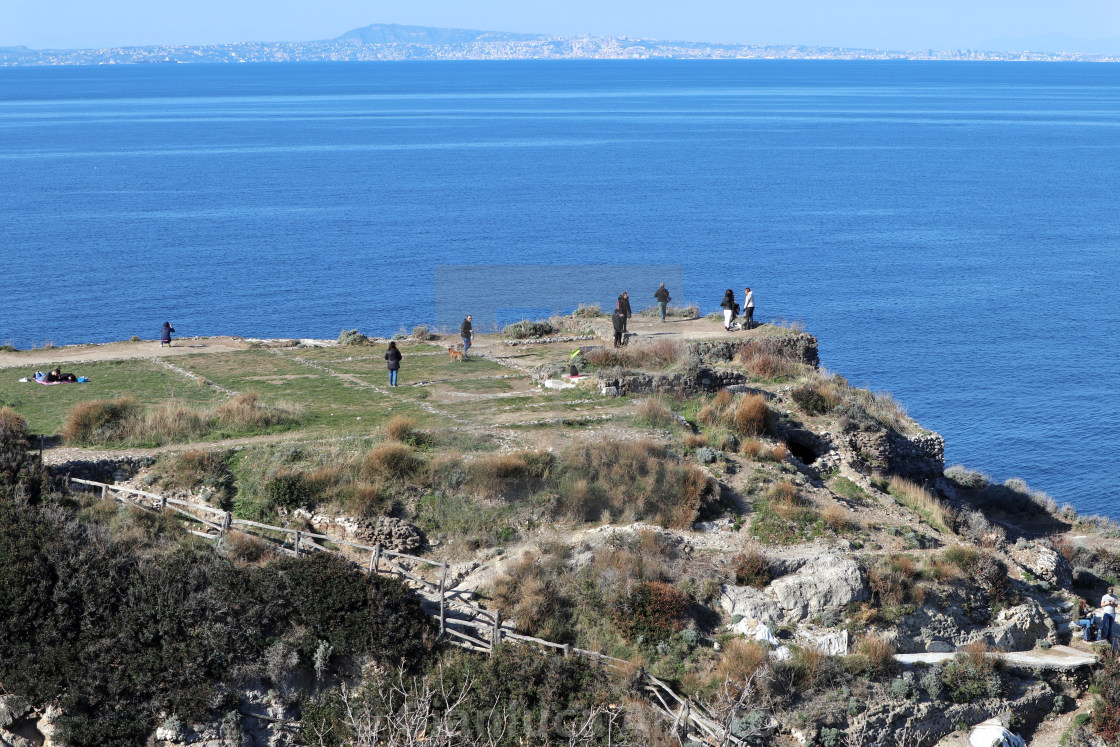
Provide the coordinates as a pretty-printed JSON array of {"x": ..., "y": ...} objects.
[
  {"x": 1108, "y": 608},
  {"x": 748, "y": 307}
]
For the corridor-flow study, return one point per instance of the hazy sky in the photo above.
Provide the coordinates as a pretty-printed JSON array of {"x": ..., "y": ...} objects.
[{"x": 894, "y": 24}]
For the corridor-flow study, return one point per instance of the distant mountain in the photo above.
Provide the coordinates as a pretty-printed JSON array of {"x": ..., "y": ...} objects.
[
  {"x": 391, "y": 33},
  {"x": 381, "y": 42}
]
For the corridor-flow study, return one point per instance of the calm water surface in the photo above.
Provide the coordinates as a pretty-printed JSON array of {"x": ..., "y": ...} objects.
[{"x": 948, "y": 231}]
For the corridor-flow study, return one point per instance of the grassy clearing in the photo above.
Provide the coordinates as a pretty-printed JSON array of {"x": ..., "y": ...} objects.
[
  {"x": 782, "y": 516},
  {"x": 46, "y": 407},
  {"x": 845, "y": 488}
]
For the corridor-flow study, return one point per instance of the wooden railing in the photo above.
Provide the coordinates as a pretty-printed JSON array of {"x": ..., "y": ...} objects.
[{"x": 461, "y": 622}]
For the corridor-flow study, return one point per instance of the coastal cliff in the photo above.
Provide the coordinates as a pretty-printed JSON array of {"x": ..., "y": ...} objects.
[{"x": 700, "y": 515}]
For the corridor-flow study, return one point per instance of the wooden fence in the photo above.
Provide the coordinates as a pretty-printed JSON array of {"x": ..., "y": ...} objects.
[{"x": 461, "y": 622}]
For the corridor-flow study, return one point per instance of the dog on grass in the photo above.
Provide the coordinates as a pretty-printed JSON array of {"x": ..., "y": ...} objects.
[{"x": 456, "y": 355}]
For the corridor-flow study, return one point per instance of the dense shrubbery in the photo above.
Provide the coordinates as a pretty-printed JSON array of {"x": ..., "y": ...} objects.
[
  {"x": 747, "y": 415},
  {"x": 125, "y": 421},
  {"x": 525, "y": 328},
  {"x": 972, "y": 675},
  {"x": 352, "y": 337},
  {"x": 120, "y": 629},
  {"x": 20, "y": 472}
]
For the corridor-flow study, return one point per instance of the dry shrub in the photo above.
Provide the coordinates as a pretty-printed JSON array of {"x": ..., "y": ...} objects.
[
  {"x": 695, "y": 440},
  {"x": 785, "y": 499},
  {"x": 890, "y": 587},
  {"x": 401, "y": 428},
  {"x": 392, "y": 460},
  {"x": 245, "y": 548},
  {"x": 837, "y": 518},
  {"x": 635, "y": 478},
  {"x": 653, "y": 412},
  {"x": 722, "y": 439},
  {"x": 922, "y": 502},
  {"x": 779, "y": 452},
  {"x": 197, "y": 467},
  {"x": 364, "y": 500},
  {"x": 247, "y": 411},
  {"x": 658, "y": 354},
  {"x": 750, "y": 415},
  {"x": 764, "y": 361},
  {"x": 752, "y": 448},
  {"x": 494, "y": 474},
  {"x": 962, "y": 557},
  {"x": 99, "y": 420},
  {"x": 875, "y": 657},
  {"x": 652, "y": 611},
  {"x": 530, "y": 592},
  {"x": 752, "y": 568},
  {"x": 742, "y": 660}
]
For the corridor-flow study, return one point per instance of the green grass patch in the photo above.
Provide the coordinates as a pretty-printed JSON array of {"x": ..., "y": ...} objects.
[
  {"x": 844, "y": 487},
  {"x": 45, "y": 407}
]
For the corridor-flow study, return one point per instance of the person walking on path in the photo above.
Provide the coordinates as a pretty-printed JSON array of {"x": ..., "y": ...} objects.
[
  {"x": 1108, "y": 607},
  {"x": 466, "y": 332},
  {"x": 748, "y": 307},
  {"x": 624, "y": 307},
  {"x": 165, "y": 334},
  {"x": 728, "y": 306},
  {"x": 393, "y": 360},
  {"x": 662, "y": 296},
  {"x": 619, "y": 323}
]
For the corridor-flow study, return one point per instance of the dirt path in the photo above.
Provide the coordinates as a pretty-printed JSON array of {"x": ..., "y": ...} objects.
[{"x": 119, "y": 351}]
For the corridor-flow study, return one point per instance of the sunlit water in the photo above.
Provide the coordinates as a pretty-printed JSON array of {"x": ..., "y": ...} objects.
[{"x": 948, "y": 231}]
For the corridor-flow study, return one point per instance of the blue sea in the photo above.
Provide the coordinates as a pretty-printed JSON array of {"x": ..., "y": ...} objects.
[{"x": 949, "y": 231}]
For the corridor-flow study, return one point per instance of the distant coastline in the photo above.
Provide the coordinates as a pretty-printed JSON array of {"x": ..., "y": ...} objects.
[{"x": 391, "y": 42}]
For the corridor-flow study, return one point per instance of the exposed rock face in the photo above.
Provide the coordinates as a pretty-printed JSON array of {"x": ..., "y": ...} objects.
[
  {"x": 1019, "y": 628},
  {"x": 827, "y": 582},
  {"x": 392, "y": 534},
  {"x": 1045, "y": 563},
  {"x": 17, "y": 723},
  {"x": 917, "y": 457},
  {"x": 818, "y": 584},
  {"x": 256, "y": 723}
]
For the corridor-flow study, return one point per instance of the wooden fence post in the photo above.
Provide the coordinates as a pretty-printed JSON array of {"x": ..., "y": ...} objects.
[
  {"x": 104, "y": 491},
  {"x": 567, "y": 650},
  {"x": 162, "y": 502},
  {"x": 496, "y": 636},
  {"x": 443, "y": 601},
  {"x": 375, "y": 563},
  {"x": 297, "y": 544}
]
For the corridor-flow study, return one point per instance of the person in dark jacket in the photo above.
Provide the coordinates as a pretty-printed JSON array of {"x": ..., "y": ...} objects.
[
  {"x": 619, "y": 322},
  {"x": 662, "y": 296},
  {"x": 466, "y": 332},
  {"x": 728, "y": 306},
  {"x": 624, "y": 307},
  {"x": 165, "y": 334},
  {"x": 393, "y": 360}
]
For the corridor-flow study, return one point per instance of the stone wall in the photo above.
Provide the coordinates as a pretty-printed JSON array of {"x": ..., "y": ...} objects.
[
  {"x": 684, "y": 382},
  {"x": 799, "y": 347},
  {"x": 917, "y": 457}
]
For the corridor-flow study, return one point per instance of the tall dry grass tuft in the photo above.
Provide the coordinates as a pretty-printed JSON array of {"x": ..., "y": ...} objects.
[
  {"x": 123, "y": 420},
  {"x": 925, "y": 504},
  {"x": 391, "y": 460},
  {"x": 657, "y": 354},
  {"x": 400, "y": 428},
  {"x": 837, "y": 518},
  {"x": 752, "y": 568},
  {"x": 99, "y": 420},
  {"x": 653, "y": 412},
  {"x": 875, "y": 657},
  {"x": 492, "y": 475},
  {"x": 750, "y": 415}
]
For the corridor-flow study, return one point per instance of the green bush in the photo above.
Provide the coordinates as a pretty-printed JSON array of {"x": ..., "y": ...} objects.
[
  {"x": 809, "y": 399},
  {"x": 20, "y": 472},
  {"x": 352, "y": 337},
  {"x": 652, "y": 611},
  {"x": 118, "y": 630},
  {"x": 288, "y": 489},
  {"x": 525, "y": 328}
]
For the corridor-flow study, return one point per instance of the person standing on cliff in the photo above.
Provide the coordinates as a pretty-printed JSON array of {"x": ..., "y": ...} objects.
[
  {"x": 466, "y": 332},
  {"x": 624, "y": 308},
  {"x": 1108, "y": 607},
  {"x": 165, "y": 334},
  {"x": 393, "y": 361},
  {"x": 662, "y": 296},
  {"x": 619, "y": 323},
  {"x": 728, "y": 306},
  {"x": 748, "y": 307}
]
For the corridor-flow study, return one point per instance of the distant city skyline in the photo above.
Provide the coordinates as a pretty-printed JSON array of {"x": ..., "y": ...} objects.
[{"x": 1088, "y": 26}]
